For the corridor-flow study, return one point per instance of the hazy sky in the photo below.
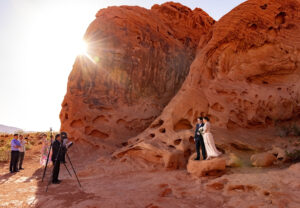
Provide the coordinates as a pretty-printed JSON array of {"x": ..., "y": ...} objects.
[{"x": 39, "y": 40}]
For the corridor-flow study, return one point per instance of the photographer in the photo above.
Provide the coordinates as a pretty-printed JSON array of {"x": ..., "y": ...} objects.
[{"x": 58, "y": 155}]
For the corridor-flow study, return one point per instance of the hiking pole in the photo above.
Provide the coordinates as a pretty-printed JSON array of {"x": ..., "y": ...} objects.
[
  {"x": 73, "y": 169},
  {"x": 51, "y": 136}
]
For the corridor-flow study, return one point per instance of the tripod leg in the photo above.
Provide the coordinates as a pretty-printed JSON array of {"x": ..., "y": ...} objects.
[
  {"x": 73, "y": 170},
  {"x": 67, "y": 169},
  {"x": 48, "y": 183},
  {"x": 47, "y": 162}
]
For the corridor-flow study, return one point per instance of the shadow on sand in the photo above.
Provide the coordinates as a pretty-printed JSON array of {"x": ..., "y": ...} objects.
[
  {"x": 6, "y": 177},
  {"x": 66, "y": 194}
]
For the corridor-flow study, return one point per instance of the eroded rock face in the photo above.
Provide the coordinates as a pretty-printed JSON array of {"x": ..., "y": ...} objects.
[
  {"x": 246, "y": 74},
  {"x": 137, "y": 60},
  {"x": 251, "y": 72}
]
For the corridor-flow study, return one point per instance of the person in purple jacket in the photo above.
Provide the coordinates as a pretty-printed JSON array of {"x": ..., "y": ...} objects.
[{"x": 15, "y": 145}]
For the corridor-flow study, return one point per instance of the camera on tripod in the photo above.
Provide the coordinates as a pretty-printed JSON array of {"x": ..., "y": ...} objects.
[
  {"x": 65, "y": 141},
  {"x": 59, "y": 152}
]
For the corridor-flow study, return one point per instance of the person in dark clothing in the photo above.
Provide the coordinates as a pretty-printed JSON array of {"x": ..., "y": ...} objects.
[
  {"x": 199, "y": 139},
  {"x": 58, "y": 156}
]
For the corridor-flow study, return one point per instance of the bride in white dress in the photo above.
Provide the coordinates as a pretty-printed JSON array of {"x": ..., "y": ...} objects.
[{"x": 210, "y": 147}]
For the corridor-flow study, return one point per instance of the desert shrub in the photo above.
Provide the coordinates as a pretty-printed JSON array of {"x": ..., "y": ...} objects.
[
  {"x": 5, "y": 150},
  {"x": 28, "y": 146},
  {"x": 7, "y": 146},
  {"x": 32, "y": 142},
  {"x": 4, "y": 154}
]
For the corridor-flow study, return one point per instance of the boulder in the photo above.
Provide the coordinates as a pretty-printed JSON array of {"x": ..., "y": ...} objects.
[
  {"x": 264, "y": 159},
  {"x": 206, "y": 167},
  {"x": 245, "y": 75},
  {"x": 137, "y": 60}
]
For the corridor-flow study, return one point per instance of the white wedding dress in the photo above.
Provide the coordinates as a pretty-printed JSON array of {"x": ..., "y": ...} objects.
[{"x": 211, "y": 150}]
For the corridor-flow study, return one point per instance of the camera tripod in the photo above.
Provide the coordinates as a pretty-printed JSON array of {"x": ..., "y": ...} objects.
[{"x": 58, "y": 153}]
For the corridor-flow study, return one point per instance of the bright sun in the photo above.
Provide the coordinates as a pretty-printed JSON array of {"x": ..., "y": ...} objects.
[
  {"x": 51, "y": 42},
  {"x": 75, "y": 47},
  {"x": 81, "y": 48}
]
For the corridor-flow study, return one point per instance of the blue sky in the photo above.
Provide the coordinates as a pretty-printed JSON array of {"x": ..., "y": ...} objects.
[{"x": 39, "y": 40}]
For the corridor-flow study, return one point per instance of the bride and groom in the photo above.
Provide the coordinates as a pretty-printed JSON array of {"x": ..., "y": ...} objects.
[{"x": 204, "y": 138}]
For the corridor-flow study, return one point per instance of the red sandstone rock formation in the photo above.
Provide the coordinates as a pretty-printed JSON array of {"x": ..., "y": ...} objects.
[
  {"x": 215, "y": 166},
  {"x": 246, "y": 74},
  {"x": 137, "y": 61},
  {"x": 264, "y": 159}
]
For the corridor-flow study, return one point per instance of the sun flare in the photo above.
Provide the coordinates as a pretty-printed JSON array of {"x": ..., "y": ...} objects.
[{"x": 82, "y": 48}]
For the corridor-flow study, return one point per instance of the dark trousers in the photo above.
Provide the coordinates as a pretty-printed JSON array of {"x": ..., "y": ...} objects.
[
  {"x": 14, "y": 161},
  {"x": 55, "y": 171},
  {"x": 21, "y": 158},
  {"x": 199, "y": 142}
]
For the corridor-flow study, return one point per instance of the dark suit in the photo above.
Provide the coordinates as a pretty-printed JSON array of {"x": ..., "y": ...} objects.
[
  {"x": 13, "y": 167},
  {"x": 199, "y": 142},
  {"x": 58, "y": 155}
]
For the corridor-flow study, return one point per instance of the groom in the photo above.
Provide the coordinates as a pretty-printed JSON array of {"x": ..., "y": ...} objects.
[{"x": 199, "y": 140}]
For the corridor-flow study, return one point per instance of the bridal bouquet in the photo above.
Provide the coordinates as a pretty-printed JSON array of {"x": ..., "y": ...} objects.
[{"x": 200, "y": 131}]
